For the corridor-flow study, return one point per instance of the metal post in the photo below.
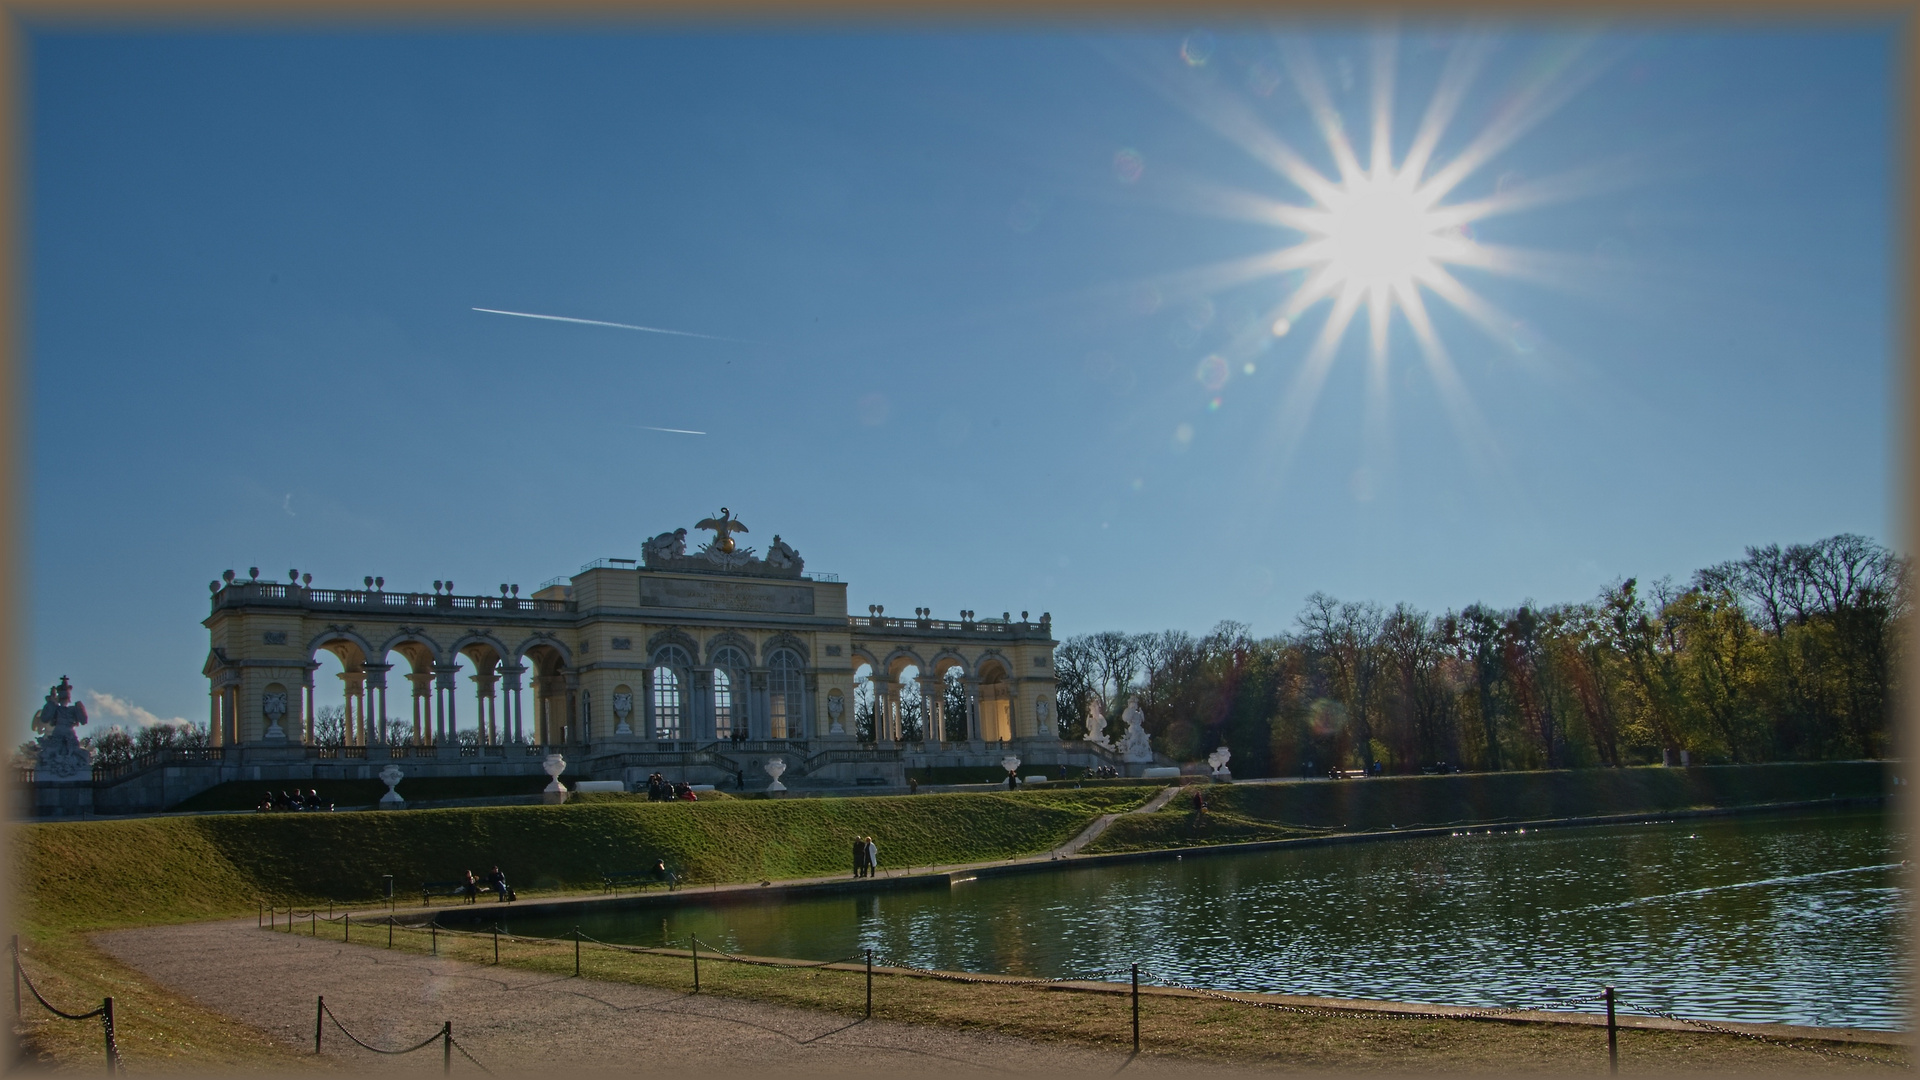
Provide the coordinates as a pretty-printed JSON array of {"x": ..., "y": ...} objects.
[
  {"x": 433, "y": 931},
  {"x": 1136, "y": 1008},
  {"x": 496, "y": 943},
  {"x": 319, "y": 1014},
  {"x": 346, "y": 924},
  {"x": 576, "y": 952},
  {"x": 113, "y": 1052},
  {"x": 313, "y": 923},
  {"x": 1613, "y": 1044},
  {"x": 446, "y": 1048},
  {"x": 869, "y": 984},
  {"x": 696, "y": 963}
]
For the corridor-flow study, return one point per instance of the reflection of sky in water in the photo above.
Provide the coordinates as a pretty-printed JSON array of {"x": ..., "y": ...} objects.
[{"x": 1763, "y": 919}]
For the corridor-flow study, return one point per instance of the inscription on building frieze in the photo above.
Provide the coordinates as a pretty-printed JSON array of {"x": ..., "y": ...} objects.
[
  {"x": 726, "y": 596},
  {"x": 275, "y": 637},
  {"x": 833, "y": 650},
  {"x": 623, "y": 643}
]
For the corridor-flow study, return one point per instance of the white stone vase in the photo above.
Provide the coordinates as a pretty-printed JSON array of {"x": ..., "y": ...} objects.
[
  {"x": 391, "y": 776},
  {"x": 774, "y": 767},
  {"x": 1217, "y": 761},
  {"x": 555, "y": 792}
]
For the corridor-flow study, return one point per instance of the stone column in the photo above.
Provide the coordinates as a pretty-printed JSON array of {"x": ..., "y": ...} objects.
[
  {"x": 811, "y": 727},
  {"x": 973, "y": 708},
  {"x": 445, "y": 691},
  {"x": 511, "y": 674},
  {"x": 930, "y": 707},
  {"x": 377, "y": 699},
  {"x": 760, "y": 713}
]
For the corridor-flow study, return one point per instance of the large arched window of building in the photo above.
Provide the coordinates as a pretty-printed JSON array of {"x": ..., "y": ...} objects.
[
  {"x": 671, "y": 668},
  {"x": 784, "y": 695},
  {"x": 729, "y": 694}
]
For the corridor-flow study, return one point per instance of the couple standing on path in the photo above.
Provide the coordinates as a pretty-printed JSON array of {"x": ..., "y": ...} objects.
[{"x": 866, "y": 856}]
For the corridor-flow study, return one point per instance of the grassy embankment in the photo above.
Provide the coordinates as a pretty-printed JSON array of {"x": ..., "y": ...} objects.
[
  {"x": 1245, "y": 812},
  {"x": 76, "y": 877}
]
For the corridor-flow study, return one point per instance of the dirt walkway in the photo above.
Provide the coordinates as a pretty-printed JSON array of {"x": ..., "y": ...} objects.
[
  {"x": 515, "y": 1021},
  {"x": 1091, "y": 832}
]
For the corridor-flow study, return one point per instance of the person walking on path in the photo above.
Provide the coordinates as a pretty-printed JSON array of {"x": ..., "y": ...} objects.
[{"x": 873, "y": 856}]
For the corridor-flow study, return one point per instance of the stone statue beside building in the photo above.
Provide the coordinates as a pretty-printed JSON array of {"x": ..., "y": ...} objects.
[
  {"x": 1136, "y": 748},
  {"x": 61, "y": 755}
]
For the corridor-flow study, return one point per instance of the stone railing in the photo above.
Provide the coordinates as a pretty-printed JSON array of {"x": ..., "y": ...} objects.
[
  {"x": 1009, "y": 627},
  {"x": 254, "y": 593}
]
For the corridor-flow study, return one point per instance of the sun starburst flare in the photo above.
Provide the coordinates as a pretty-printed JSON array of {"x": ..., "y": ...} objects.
[{"x": 1379, "y": 237}]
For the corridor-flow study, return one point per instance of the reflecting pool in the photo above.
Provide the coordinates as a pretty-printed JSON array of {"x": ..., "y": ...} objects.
[{"x": 1762, "y": 918}]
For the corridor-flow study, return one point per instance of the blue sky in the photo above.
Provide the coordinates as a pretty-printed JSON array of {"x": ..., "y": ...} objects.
[{"x": 971, "y": 357}]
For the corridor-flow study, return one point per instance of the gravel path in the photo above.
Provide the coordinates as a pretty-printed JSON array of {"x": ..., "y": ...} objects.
[{"x": 515, "y": 1021}]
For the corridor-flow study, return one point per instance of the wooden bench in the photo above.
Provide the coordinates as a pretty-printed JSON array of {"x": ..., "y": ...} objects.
[
  {"x": 431, "y": 889},
  {"x": 615, "y": 880},
  {"x": 1349, "y": 774}
]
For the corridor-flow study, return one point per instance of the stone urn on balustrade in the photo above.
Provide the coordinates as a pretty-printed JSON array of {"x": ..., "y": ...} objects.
[{"x": 556, "y": 792}]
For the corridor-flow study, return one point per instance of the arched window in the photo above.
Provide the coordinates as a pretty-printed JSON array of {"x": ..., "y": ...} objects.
[
  {"x": 729, "y": 693},
  {"x": 784, "y": 687},
  {"x": 670, "y": 667}
]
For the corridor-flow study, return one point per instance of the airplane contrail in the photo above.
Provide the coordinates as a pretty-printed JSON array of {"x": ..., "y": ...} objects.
[
  {"x": 674, "y": 430},
  {"x": 615, "y": 325}
]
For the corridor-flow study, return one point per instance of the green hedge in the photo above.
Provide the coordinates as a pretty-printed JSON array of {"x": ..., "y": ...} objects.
[{"x": 88, "y": 874}]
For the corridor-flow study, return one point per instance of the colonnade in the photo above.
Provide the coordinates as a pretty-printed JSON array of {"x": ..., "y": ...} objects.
[
  {"x": 436, "y": 705},
  {"x": 933, "y": 699}
]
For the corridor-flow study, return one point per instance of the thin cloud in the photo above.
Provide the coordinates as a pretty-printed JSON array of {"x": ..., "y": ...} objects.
[
  {"x": 615, "y": 325},
  {"x": 107, "y": 705}
]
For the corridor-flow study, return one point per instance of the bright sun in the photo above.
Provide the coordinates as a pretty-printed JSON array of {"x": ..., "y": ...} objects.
[
  {"x": 1380, "y": 239},
  {"x": 1377, "y": 233}
]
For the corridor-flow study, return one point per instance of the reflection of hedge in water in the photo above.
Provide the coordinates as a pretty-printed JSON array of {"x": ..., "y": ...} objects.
[
  {"x": 1381, "y": 802},
  {"x": 99, "y": 873}
]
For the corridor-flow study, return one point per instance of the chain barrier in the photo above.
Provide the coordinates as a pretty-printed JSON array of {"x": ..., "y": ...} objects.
[
  {"x": 997, "y": 980},
  {"x": 444, "y": 1037},
  {"x": 104, "y": 1012},
  {"x": 1356, "y": 1012},
  {"x": 1719, "y": 1029}
]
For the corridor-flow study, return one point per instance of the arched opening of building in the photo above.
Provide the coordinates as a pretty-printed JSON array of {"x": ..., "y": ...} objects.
[
  {"x": 786, "y": 695},
  {"x": 672, "y": 678},
  {"x": 732, "y": 698},
  {"x": 996, "y": 704}
]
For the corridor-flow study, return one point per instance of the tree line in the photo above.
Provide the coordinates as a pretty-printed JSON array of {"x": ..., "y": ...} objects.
[{"x": 1785, "y": 654}]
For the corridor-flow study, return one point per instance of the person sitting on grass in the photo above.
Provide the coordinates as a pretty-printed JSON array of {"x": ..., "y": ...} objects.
[{"x": 266, "y": 803}]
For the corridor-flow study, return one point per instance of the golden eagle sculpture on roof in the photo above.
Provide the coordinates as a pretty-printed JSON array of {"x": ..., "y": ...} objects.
[{"x": 723, "y": 528}]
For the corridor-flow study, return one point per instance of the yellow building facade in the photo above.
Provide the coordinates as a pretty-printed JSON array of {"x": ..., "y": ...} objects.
[{"x": 701, "y": 664}]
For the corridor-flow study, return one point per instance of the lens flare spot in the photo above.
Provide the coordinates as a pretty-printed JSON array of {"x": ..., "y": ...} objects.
[
  {"x": 1214, "y": 405},
  {"x": 1281, "y": 327},
  {"x": 1197, "y": 49},
  {"x": 1182, "y": 435},
  {"x": 1138, "y": 483},
  {"x": 1212, "y": 373},
  {"x": 1247, "y": 369},
  {"x": 1522, "y": 339},
  {"x": 1128, "y": 165}
]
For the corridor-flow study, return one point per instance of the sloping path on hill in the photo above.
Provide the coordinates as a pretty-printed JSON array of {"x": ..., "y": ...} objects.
[
  {"x": 1158, "y": 802},
  {"x": 515, "y": 1021}
]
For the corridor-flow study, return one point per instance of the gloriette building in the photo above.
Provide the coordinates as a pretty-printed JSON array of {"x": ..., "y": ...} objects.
[{"x": 699, "y": 664}]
